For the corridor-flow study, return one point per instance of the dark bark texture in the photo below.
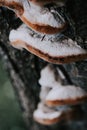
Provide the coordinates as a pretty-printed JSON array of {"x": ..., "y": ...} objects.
[{"x": 24, "y": 68}]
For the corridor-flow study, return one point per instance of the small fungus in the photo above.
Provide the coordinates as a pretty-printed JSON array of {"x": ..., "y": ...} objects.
[{"x": 56, "y": 99}]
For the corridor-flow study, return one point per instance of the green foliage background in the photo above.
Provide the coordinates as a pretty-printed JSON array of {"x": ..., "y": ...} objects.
[{"x": 10, "y": 114}]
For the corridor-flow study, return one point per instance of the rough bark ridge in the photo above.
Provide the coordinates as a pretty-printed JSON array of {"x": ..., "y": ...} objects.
[{"x": 24, "y": 68}]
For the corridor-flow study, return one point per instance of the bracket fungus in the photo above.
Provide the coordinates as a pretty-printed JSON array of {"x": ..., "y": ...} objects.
[
  {"x": 48, "y": 47},
  {"x": 45, "y": 20},
  {"x": 62, "y": 95},
  {"x": 38, "y": 18},
  {"x": 56, "y": 99},
  {"x": 48, "y": 116}
]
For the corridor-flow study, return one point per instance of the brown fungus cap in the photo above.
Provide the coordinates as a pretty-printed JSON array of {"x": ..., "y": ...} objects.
[
  {"x": 41, "y": 19},
  {"x": 49, "y": 116},
  {"x": 14, "y": 5},
  {"x": 65, "y": 95},
  {"x": 51, "y": 48}
]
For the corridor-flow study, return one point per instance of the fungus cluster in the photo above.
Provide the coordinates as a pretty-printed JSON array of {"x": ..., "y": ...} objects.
[
  {"x": 42, "y": 34},
  {"x": 56, "y": 98}
]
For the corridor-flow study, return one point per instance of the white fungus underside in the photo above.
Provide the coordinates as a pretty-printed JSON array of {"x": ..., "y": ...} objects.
[
  {"x": 47, "y": 77},
  {"x": 44, "y": 92},
  {"x": 50, "y": 115},
  {"x": 35, "y": 15},
  {"x": 54, "y": 49},
  {"x": 67, "y": 92}
]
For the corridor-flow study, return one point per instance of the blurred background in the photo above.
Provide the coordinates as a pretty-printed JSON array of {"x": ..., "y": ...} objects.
[{"x": 10, "y": 113}]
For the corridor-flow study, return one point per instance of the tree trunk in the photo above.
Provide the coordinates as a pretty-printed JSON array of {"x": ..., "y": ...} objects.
[{"x": 24, "y": 68}]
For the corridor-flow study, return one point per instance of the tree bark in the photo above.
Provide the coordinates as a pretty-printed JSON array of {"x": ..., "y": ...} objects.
[{"x": 24, "y": 68}]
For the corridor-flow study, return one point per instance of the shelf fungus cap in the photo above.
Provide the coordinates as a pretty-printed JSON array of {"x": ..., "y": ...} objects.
[
  {"x": 56, "y": 49},
  {"x": 14, "y": 5},
  {"x": 41, "y": 19},
  {"x": 49, "y": 116},
  {"x": 66, "y": 95},
  {"x": 46, "y": 115}
]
